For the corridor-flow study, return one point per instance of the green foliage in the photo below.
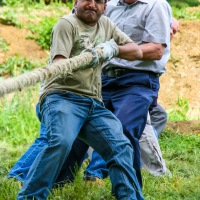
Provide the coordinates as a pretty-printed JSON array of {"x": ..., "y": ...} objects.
[
  {"x": 174, "y": 60},
  {"x": 81, "y": 190},
  {"x": 180, "y": 113},
  {"x": 15, "y": 66},
  {"x": 3, "y": 45},
  {"x": 18, "y": 122},
  {"x": 9, "y": 18},
  {"x": 183, "y": 3},
  {"x": 15, "y": 3},
  {"x": 70, "y": 4},
  {"x": 11, "y": 2},
  {"x": 181, "y": 153},
  {"x": 186, "y": 13},
  {"x": 42, "y": 32}
]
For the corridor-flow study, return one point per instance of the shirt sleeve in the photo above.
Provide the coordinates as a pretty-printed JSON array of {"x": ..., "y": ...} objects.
[
  {"x": 120, "y": 37},
  {"x": 157, "y": 29},
  {"x": 61, "y": 39}
]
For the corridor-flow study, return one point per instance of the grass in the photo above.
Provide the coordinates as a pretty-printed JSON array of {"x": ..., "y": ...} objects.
[
  {"x": 3, "y": 45},
  {"x": 15, "y": 66},
  {"x": 19, "y": 127}
]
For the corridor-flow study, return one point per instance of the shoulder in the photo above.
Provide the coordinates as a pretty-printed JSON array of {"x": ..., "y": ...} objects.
[
  {"x": 152, "y": 3},
  {"x": 112, "y": 3},
  {"x": 105, "y": 21},
  {"x": 162, "y": 3},
  {"x": 159, "y": 7},
  {"x": 66, "y": 21}
]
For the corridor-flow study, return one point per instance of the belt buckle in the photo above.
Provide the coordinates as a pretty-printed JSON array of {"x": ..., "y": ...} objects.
[
  {"x": 110, "y": 73},
  {"x": 118, "y": 72}
]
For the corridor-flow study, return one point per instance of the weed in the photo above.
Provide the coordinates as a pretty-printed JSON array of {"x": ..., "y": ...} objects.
[
  {"x": 3, "y": 45},
  {"x": 15, "y": 66},
  {"x": 175, "y": 61},
  {"x": 42, "y": 32},
  {"x": 180, "y": 113},
  {"x": 183, "y": 3},
  {"x": 10, "y": 18},
  {"x": 186, "y": 13}
]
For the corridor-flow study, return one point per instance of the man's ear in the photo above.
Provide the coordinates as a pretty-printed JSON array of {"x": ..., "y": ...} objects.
[
  {"x": 75, "y": 3},
  {"x": 104, "y": 9}
]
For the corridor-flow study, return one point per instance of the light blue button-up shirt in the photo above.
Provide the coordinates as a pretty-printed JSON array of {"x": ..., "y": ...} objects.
[{"x": 144, "y": 21}]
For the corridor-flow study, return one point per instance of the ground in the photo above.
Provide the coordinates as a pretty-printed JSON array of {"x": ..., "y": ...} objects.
[{"x": 181, "y": 79}]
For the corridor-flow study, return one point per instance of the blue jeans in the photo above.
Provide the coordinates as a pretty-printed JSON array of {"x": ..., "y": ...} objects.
[
  {"x": 72, "y": 163},
  {"x": 22, "y": 166},
  {"x": 129, "y": 98},
  {"x": 67, "y": 116}
]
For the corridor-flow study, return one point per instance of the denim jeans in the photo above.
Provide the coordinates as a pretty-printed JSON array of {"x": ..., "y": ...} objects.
[
  {"x": 67, "y": 116},
  {"x": 129, "y": 98},
  {"x": 72, "y": 163},
  {"x": 22, "y": 166}
]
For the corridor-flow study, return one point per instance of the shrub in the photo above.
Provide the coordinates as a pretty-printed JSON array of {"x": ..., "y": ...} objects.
[
  {"x": 183, "y": 3},
  {"x": 15, "y": 66},
  {"x": 42, "y": 32}
]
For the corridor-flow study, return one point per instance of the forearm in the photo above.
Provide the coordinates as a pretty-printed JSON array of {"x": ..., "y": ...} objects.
[
  {"x": 58, "y": 58},
  {"x": 152, "y": 51},
  {"x": 130, "y": 51}
]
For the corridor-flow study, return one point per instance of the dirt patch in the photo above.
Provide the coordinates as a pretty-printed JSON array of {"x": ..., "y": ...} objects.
[
  {"x": 185, "y": 127},
  {"x": 183, "y": 69},
  {"x": 20, "y": 45},
  {"x": 180, "y": 80}
]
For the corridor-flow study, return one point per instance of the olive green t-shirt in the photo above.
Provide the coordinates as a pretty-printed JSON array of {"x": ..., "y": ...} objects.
[{"x": 70, "y": 37}]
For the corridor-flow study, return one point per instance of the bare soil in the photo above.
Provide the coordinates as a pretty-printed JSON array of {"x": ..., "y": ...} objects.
[{"x": 182, "y": 78}]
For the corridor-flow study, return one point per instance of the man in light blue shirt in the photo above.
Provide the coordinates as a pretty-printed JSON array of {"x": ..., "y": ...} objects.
[{"x": 130, "y": 87}]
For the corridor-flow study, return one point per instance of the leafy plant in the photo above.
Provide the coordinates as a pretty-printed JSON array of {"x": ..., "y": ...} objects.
[
  {"x": 11, "y": 2},
  {"x": 42, "y": 32},
  {"x": 70, "y": 4},
  {"x": 10, "y": 18},
  {"x": 181, "y": 112},
  {"x": 175, "y": 61},
  {"x": 3, "y": 45},
  {"x": 15, "y": 3},
  {"x": 186, "y": 13},
  {"x": 15, "y": 66},
  {"x": 183, "y": 3}
]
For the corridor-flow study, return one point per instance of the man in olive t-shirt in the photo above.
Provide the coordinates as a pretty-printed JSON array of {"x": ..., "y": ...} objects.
[{"x": 71, "y": 106}]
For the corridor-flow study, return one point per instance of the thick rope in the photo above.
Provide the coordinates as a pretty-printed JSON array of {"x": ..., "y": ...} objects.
[{"x": 64, "y": 67}]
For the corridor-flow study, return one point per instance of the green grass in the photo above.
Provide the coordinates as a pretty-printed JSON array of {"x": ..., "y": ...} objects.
[
  {"x": 3, "y": 45},
  {"x": 19, "y": 127},
  {"x": 15, "y": 66}
]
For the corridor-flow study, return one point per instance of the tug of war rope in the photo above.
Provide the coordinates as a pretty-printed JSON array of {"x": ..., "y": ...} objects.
[{"x": 64, "y": 67}]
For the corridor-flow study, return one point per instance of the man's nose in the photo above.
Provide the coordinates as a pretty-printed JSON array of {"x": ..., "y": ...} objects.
[{"x": 92, "y": 3}]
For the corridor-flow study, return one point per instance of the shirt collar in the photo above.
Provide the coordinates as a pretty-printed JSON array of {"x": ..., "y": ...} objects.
[{"x": 121, "y": 2}]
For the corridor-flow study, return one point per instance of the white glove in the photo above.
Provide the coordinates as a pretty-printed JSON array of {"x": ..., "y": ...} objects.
[
  {"x": 110, "y": 49},
  {"x": 95, "y": 59}
]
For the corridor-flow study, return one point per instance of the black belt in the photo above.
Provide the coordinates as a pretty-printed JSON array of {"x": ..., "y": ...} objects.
[{"x": 114, "y": 72}]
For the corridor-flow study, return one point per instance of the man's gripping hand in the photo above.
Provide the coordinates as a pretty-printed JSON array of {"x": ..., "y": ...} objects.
[
  {"x": 95, "y": 58},
  {"x": 110, "y": 49}
]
